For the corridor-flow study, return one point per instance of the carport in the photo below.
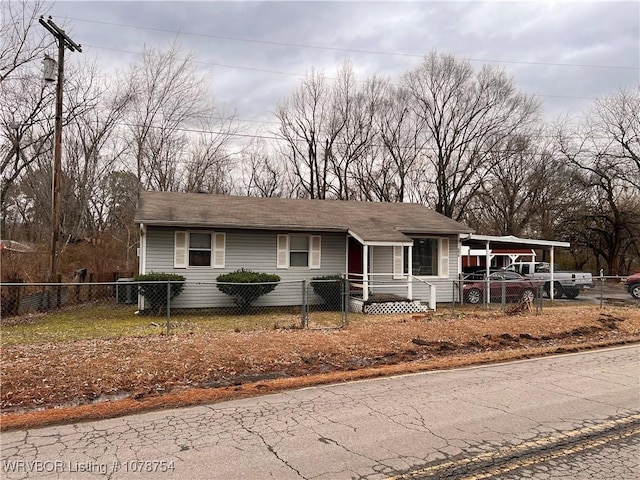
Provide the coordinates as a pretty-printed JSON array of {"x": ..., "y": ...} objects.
[{"x": 488, "y": 243}]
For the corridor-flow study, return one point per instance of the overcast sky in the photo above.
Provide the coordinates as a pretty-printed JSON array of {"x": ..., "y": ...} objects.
[{"x": 569, "y": 52}]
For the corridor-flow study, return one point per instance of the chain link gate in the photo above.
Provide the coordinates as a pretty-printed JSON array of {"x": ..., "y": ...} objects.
[{"x": 326, "y": 303}]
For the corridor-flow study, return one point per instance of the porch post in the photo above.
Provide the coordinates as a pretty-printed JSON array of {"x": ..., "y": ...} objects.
[
  {"x": 410, "y": 273},
  {"x": 365, "y": 272}
]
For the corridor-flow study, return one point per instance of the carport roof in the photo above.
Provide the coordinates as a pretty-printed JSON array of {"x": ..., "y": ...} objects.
[{"x": 480, "y": 241}]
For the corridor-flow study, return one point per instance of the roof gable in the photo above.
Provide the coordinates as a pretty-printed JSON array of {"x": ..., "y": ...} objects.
[{"x": 370, "y": 221}]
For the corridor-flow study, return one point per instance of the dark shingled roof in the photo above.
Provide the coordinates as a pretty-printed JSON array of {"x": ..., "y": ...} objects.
[{"x": 370, "y": 221}]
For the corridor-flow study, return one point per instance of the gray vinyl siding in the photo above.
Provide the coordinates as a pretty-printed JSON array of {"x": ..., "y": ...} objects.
[
  {"x": 253, "y": 250},
  {"x": 257, "y": 250}
]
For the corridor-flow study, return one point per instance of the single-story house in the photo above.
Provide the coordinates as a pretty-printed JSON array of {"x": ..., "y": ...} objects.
[{"x": 401, "y": 248}]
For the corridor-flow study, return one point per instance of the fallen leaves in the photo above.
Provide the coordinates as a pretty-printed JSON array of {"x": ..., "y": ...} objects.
[{"x": 84, "y": 371}]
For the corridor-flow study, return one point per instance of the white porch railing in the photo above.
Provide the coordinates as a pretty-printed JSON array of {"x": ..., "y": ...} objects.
[{"x": 418, "y": 284}]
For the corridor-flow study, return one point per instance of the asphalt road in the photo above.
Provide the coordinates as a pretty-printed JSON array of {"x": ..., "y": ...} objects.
[{"x": 571, "y": 416}]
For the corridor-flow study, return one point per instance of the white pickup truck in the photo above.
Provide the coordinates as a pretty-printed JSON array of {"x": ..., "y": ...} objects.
[{"x": 568, "y": 284}]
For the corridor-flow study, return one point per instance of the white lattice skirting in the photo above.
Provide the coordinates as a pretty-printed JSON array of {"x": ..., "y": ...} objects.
[{"x": 387, "y": 308}]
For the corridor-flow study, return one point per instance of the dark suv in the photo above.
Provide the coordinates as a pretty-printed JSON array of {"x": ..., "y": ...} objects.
[{"x": 632, "y": 285}]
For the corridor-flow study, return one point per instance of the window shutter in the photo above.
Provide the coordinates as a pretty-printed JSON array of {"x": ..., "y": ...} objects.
[
  {"x": 398, "y": 262},
  {"x": 444, "y": 258},
  {"x": 180, "y": 250},
  {"x": 314, "y": 261},
  {"x": 283, "y": 251},
  {"x": 218, "y": 249}
]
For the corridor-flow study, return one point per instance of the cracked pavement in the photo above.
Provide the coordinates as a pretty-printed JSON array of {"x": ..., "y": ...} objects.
[{"x": 373, "y": 429}]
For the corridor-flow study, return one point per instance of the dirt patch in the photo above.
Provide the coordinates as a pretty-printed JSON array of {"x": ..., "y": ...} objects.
[{"x": 88, "y": 379}]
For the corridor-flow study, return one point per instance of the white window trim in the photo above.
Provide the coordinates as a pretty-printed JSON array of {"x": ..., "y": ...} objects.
[
  {"x": 443, "y": 260},
  {"x": 181, "y": 250},
  {"x": 283, "y": 250}
]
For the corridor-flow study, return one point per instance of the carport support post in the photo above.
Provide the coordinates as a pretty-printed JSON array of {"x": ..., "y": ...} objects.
[
  {"x": 487, "y": 262},
  {"x": 551, "y": 279}
]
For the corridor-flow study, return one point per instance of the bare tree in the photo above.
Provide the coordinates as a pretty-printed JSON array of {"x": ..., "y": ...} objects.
[
  {"x": 353, "y": 113},
  {"x": 614, "y": 129},
  {"x": 466, "y": 115},
  {"x": 263, "y": 173},
  {"x": 603, "y": 150},
  {"x": 24, "y": 99},
  {"x": 209, "y": 163},
  {"x": 22, "y": 41},
  {"x": 93, "y": 145},
  {"x": 403, "y": 138},
  {"x": 525, "y": 192},
  {"x": 308, "y": 131},
  {"x": 169, "y": 96}
]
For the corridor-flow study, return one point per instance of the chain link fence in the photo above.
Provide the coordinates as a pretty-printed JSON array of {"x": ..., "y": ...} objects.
[
  {"x": 512, "y": 294},
  {"x": 493, "y": 293},
  {"x": 305, "y": 303},
  {"x": 316, "y": 303}
]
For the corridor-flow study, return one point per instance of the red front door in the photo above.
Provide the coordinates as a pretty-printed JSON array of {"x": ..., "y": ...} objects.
[{"x": 355, "y": 259}]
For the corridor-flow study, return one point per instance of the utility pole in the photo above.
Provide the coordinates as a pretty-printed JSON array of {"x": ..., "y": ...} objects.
[{"x": 63, "y": 42}]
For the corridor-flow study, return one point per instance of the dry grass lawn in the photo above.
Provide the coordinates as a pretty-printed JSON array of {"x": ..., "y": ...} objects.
[{"x": 80, "y": 379}]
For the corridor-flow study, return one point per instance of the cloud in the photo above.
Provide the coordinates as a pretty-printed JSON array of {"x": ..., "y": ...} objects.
[{"x": 555, "y": 49}]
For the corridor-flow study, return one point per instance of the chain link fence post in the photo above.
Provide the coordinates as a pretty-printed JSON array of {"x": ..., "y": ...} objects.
[
  {"x": 453, "y": 298},
  {"x": 168, "y": 307},
  {"x": 601, "y": 287},
  {"x": 345, "y": 300},
  {"x": 304, "y": 308}
]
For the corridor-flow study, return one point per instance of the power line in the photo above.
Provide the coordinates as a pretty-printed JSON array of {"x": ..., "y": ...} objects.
[
  {"x": 349, "y": 50},
  {"x": 300, "y": 75},
  {"x": 301, "y": 141},
  {"x": 263, "y": 70}
]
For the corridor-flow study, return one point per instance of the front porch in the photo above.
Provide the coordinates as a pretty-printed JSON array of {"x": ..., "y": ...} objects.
[{"x": 378, "y": 280}]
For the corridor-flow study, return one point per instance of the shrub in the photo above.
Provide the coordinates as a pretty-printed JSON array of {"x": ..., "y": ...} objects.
[
  {"x": 156, "y": 293},
  {"x": 246, "y": 286},
  {"x": 329, "y": 287}
]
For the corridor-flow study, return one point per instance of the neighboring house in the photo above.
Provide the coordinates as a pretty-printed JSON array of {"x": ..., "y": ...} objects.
[{"x": 401, "y": 248}]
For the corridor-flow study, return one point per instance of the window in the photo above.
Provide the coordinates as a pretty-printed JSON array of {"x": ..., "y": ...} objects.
[
  {"x": 429, "y": 257},
  {"x": 424, "y": 259},
  {"x": 298, "y": 251},
  {"x": 199, "y": 249}
]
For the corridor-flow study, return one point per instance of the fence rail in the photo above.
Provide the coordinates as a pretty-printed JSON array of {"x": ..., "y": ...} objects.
[{"x": 316, "y": 303}]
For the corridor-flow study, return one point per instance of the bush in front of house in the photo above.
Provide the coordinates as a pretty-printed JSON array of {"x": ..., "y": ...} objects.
[
  {"x": 246, "y": 286},
  {"x": 156, "y": 293},
  {"x": 330, "y": 288}
]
